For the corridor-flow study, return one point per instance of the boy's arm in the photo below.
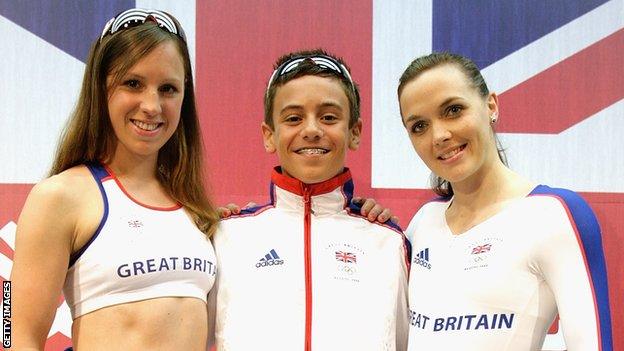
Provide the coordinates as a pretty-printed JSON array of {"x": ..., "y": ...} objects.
[{"x": 369, "y": 208}]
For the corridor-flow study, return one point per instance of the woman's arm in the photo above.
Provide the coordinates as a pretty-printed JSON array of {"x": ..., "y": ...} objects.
[
  {"x": 572, "y": 262},
  {"x": 45, "y": 233}
]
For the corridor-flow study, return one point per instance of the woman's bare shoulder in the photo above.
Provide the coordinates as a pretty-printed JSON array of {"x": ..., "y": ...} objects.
[{"x": 64, "y": 191}]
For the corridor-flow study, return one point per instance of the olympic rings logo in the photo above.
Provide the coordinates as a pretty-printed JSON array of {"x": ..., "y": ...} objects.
[{"x": 350, "y": 270}]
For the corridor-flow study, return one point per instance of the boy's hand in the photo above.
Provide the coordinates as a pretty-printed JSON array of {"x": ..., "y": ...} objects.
[
  {"x": 228, "y": 210},
  {"x": 374, "y": 211},
  {"x": 233, "y": 209}
]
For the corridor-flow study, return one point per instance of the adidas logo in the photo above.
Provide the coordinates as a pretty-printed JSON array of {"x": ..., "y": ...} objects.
[
  {"x": 270, "y": 259},
  {"x": 422, "y": 258}
]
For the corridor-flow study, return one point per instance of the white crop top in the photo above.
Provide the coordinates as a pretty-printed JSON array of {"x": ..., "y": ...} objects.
[{"x": 138, "y": 252}]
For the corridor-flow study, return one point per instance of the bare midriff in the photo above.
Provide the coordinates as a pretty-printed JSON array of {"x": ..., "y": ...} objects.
[{"x": 168, "y": 323}]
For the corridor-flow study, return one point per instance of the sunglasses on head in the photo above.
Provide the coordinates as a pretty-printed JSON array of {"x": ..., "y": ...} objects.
[
  {"x": 322, "y": 61},
  {"x": 135, "y": 17}
]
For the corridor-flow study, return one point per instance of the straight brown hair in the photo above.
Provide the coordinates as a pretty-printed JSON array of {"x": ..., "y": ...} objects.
[{"x": 89, "y": 136}]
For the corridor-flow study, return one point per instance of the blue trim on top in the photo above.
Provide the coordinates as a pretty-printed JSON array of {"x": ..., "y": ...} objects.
[
  {"x": 408, "y": 248},
  {"x": 347, "y": 189},
  {"x": 99, "y": 173},
  {"x": 272, "y": 193},
  {"x": 252, "y": 210},
  {"x": 590, "y": 234}
]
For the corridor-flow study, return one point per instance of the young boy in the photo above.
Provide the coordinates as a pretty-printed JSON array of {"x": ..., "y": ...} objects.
[{"x": 307, "y": 270}]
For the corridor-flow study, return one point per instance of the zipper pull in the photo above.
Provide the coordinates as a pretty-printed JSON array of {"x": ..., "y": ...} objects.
[
  {"x": 306, "y": 193},
  {"x": 307, "y": 199}
]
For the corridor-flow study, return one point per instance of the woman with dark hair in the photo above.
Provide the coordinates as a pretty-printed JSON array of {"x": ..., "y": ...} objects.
[
  {"x": 122, "y": 225},
  {"x": 496, "y": 257}
]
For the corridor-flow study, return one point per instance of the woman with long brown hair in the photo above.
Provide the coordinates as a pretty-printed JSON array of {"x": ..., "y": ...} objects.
[{"x": 122, "y": 225}]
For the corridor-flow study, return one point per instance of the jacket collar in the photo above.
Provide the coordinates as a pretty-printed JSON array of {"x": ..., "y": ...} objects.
[
  {"x": 298, "y": 187},
  {"x": 326, "y": 198}
]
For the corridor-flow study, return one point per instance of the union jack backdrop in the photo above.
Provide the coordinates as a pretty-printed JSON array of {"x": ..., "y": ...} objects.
[{"x": 556, "y": 65}]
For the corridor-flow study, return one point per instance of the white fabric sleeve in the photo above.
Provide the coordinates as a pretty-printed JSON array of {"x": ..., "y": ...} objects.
[
  {"x": 402, "y": 323},
  {"x": 570, "y": 258}
]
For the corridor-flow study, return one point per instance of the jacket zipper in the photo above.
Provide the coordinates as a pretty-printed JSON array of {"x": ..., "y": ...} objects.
[{"x": 308, "y": 264}]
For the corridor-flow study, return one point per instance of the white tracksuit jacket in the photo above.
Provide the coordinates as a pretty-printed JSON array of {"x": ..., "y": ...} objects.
[{"x": 307, "y": 272}]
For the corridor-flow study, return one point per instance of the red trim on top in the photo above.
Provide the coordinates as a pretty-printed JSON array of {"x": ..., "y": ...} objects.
[
  {"x": 580, "y": 245},
  {"x": 296, "y": 186},
  {"x": 307, "y": 245},
  {"x": 156, "y": 208},
  {"x": 300, "y": 188}
]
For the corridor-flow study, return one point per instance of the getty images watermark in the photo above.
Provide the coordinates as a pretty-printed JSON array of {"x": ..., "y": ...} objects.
[{"x": 6, "y": 313}]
